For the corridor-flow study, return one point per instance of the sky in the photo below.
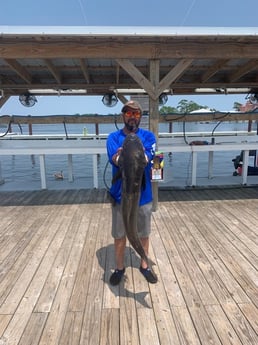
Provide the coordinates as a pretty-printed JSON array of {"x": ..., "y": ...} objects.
[{"x": 220, "y": 13}]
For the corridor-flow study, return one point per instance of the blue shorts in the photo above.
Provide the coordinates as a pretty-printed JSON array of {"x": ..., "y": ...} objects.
[{"x": 143, "y": 222}]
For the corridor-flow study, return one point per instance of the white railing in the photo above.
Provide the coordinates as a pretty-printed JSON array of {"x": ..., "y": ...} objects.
[{"x": 94, "y": 145}]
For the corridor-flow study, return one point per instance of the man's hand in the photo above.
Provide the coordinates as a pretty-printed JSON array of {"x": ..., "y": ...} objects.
[{"x": 116, "y": 156}]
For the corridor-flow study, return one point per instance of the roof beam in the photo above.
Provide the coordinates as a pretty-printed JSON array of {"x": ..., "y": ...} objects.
[
  {"x": 251, "y": 65},
  {"x": 20, "y": 70},
  {"x": 150, "y": 49},
  {"x": 213, "y": 70},
  {"x": 53, "y": 71},
  {"x": 4, "y": 99},
  {"x": 134, "y": 72},
  {"x": 85, "y": 70},
  {"x": 175, "y": 72}
]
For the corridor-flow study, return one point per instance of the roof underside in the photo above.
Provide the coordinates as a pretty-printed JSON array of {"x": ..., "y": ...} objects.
[{"x": 97, "y": 60}]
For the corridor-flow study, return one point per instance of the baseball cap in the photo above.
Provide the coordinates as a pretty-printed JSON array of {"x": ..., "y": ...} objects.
[{"x": 132, "y": 105}]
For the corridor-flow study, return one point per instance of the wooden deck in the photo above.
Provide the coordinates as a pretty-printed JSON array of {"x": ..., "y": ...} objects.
[{"x": 56, "y": 256}]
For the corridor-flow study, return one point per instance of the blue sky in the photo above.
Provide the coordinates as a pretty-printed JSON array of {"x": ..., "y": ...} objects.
[{"x": 220, "y": 13}]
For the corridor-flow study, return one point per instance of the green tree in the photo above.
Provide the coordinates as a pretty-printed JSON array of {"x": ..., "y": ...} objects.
[
  {"x": 168, "y": 110},
  {"x": 185, "y": 106}
]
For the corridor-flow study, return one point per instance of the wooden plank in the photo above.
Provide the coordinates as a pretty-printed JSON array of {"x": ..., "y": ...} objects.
[
  {"x": 163, "y": 317},
  {"x": 147, "y": 328},
  {"x": 58, "y": 310},
  {"x": 234, "y": 230},
  {"x": 244, "y": 330},
  {"x": 141, "y": 286},
  {"x": 28, "y": 301},
  {"x": 86, "y": 245},
  {"x": 189, "y": 292},
  {"x": 224, "y": 285},
  {"x": 206, "y": 294},
  {"x": 71, "y": 255},
  {"x": 110, "y": 293},
  {"x": 129, "y": 332},
  {"x": 204, "y": 327},
  {"x": 91, "y": 327},
  {"x": 21, "y": 258},
  {"x": 13, "y": 242},
  {"x": 34, "y": 328},
  {"x": 207, "y": 228},
  {"x": 250, "y": 311},
  {"x": 109, "y": 328},
  {"x": 71, "y": 329},
  {"x": 197, "y": 246},
  {"x": 233, "y": 259},
  {"x": 4, "y": 320},
  {"x": 31, "y": 268},
  {"x": 222, "y": 325},
  {"x": 185, "y": 328},
  {"x": 56, "y": 260},
  {"x": 165, "y": 271}
]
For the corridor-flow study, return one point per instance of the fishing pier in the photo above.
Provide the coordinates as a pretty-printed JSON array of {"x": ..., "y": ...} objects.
[
  {"x": 57, "y": 255},
  {"x": 56, "y": 250}
]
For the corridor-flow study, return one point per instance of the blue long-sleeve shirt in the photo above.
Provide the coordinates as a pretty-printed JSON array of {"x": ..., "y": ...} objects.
[{"x": 114, "y": 142}]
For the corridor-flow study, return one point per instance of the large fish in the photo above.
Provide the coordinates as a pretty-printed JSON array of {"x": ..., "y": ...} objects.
[{"x": 132, "y": 163}]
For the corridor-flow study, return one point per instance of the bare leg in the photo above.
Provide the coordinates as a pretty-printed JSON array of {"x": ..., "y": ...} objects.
[
  {"x": 120, "y": 252},
  {"x": 145, "y": 243}
]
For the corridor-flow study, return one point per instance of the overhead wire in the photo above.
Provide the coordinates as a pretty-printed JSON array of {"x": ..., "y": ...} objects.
[
  {"x": 188, "y": 12},
  {"x": 83, "y": 12}
]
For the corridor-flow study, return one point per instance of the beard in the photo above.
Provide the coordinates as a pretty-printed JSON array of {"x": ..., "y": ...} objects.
[{"x": 132, "y": 125}]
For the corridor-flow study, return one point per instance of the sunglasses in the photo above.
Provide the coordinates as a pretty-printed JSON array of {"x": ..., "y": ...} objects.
[{"x": 129, "y": 113}]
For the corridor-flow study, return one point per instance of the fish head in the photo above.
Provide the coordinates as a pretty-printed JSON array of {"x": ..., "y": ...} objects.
[{"x": 132, "y": 163}]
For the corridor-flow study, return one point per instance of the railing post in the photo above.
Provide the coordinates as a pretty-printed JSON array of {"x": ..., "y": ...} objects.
[
  {"x": 43, "y": 171},
  {"x": 1, "y": 178}
]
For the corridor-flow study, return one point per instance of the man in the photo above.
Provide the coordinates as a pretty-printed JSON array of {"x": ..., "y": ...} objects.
[{"x": 132, "y": 114}]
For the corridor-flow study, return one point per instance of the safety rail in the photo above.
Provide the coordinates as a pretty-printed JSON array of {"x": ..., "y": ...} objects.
[{"x": 94, "y": 146}]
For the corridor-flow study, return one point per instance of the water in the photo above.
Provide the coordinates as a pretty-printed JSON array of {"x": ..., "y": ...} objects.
[{"x": 23, "y": 173}]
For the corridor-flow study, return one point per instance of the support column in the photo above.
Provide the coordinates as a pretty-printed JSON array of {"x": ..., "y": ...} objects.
[
  {"x": 154, "y": 119},
  {"x": 95, "y": 170},
  {"x": 210, "y": 166},
  {"x": 194, "y": 168},
  {"x": 245, "y": 167},
  {"x": 70, "y": 167},
  {"x": 42, "y": 165},
  {"x": 1, "y": 178}
]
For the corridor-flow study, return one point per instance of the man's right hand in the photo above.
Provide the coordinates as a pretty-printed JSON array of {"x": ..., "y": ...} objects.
[{"x": 116, "y": 156}]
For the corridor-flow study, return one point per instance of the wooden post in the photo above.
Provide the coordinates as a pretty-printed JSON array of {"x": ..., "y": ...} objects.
[
  {"x": 30, "y": 129},
  {"x": 96, "y": 128},
  {"x": 154, "y": 119}
]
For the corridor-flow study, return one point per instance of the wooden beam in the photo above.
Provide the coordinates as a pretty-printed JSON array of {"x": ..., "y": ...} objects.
[
  {"x": 251, "y": 65},
  {"x": 175, "y": 72},
  {"x": 188, "y": 49},
  {"x": 117, "y": 74},
  {"x": 53, "y": 71},
  {"x": 154, "y": 118},
  {"x": 4, "y": 99},
  {"x": 210, "y": 72},
  {"x": 134, "y": 72},
  {"x": 85, "y": 70},
  {"x": 20, "y": 70}
]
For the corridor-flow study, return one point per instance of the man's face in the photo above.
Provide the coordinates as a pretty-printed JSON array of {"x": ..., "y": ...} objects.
[{"x": 132, "y": 119}]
